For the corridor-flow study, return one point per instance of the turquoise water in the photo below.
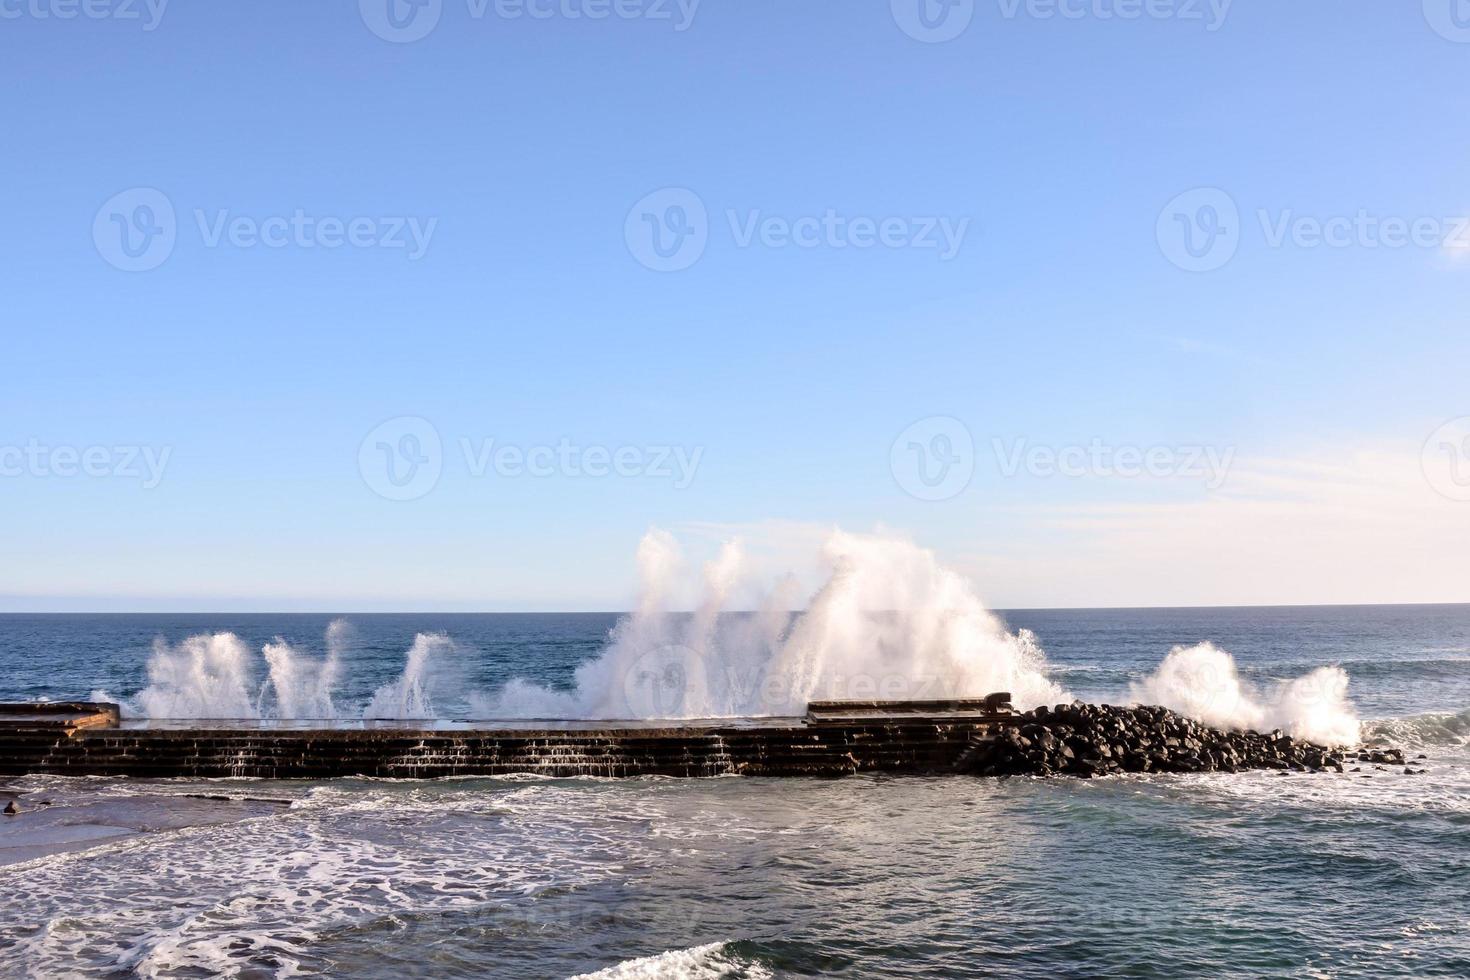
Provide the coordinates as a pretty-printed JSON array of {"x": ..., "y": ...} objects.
[{"x": 1364, "y": 874}]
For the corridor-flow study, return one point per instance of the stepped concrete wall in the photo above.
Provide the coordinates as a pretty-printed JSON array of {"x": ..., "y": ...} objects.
[{"x": 892, "y": 744}]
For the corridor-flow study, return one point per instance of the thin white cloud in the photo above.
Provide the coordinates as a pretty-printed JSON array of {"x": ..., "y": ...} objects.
[{"x": 1364, "y": 526}]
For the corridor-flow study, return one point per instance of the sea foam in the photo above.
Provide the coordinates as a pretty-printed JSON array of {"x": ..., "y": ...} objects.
[
  {"x": 1202, "y": 681},
  {"x": 713, "y": 961}
]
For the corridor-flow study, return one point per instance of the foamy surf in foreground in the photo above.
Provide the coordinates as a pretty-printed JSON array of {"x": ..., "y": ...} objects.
[
  {"x": 525, "y": 879},
  {"x": 889, "y": 621},
  {"x": 712, "y": 961},
  {"x": 1266, "y": 873}
]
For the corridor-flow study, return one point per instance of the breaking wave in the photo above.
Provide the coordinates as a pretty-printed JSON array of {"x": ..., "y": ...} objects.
[
  {"x": 212, "y": 676},
  {"x": 889, "y": 622},
  {"x": 1422, "y": 731},
  {"x": 1202, "y": 682}
]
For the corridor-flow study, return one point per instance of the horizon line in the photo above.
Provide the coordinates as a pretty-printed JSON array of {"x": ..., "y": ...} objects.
[{"x": 626, "y": 612}]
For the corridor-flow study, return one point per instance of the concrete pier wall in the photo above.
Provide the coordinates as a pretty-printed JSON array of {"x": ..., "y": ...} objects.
[{"x": 902, "y": 743}]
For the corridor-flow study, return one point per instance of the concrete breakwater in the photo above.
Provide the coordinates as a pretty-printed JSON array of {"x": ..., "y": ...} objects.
[
  {"x": 967, "y": 736},
  {"x": 407, "y": 753},
  {"x": 909, "y": 737}
]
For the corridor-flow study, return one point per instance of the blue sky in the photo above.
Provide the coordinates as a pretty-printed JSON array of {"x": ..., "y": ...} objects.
[{"x": 261, "y": 357}]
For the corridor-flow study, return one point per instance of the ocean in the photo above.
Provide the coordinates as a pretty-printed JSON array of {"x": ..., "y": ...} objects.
[{"x": 1360, "y": 874}]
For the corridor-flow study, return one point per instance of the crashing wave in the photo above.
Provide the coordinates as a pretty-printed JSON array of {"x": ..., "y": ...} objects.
[{"x": 889, "y": 622}]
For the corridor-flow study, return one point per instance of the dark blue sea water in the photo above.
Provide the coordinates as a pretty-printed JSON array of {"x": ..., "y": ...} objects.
[{"x": 1363, "y": 874}]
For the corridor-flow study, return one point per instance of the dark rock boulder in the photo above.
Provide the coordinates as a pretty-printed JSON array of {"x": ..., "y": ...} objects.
[{"x": 1091, "y": 740}]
